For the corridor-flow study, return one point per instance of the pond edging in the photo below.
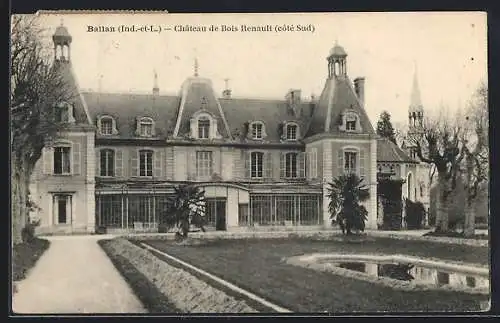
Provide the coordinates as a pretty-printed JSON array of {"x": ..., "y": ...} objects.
[{"x": 310, "y": 261}]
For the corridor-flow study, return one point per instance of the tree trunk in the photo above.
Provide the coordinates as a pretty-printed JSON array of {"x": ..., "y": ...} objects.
[
  {"x": 443, "y": 203},
  {"x": 469, "y": 225},
  {"x": 19, "y": 199}
]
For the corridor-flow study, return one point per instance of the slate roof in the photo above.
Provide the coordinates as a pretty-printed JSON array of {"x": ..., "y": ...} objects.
[
  {"x": 337, "y": 96},
  {"x": 387, "y": 151},
  {"x": 126, "y": 108},
  {"x": 163, "y": 109},
  {"x": 79, "y": 106}
]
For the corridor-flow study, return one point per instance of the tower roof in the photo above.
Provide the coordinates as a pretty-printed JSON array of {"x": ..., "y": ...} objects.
[
  {"x": 338, "y": 51},
  {"x": 61, "y": 35},
  {"x": 415, "y": 99}
]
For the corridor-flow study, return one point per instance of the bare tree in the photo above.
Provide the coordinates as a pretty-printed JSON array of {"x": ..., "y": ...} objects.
[
  {"x": 36, "y": 86},
  {"x": 476, "y": 150},
  {"x": 439, "y": 144}
]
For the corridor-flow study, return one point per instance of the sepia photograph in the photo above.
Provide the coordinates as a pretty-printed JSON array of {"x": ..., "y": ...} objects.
[{"x": 285, "y": 163}]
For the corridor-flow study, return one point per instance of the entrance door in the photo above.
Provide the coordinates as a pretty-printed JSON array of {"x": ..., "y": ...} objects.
[{"x": 216, "y": 213}]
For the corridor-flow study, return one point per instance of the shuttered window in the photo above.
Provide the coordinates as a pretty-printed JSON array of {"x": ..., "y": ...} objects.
[
  {"x": 256, "y": 164},
  {"x": 62, "y": 160},
  {"x": 204, "y": 164},
  {"x": 145, "y": 163},
  {"x": 107, "y": 162}
]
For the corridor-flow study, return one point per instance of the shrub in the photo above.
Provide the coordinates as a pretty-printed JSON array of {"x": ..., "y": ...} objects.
[
  {"x": 415, "y": 213},
  {"x": 345, "y": 194},
  {"x": 28, "y": 232}
]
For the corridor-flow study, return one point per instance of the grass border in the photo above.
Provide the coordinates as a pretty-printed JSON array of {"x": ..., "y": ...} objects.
[
  {"x": 237, "y": 296},
  {"x": 150, "y": 296},
  {"x": 25, "y": 256}
]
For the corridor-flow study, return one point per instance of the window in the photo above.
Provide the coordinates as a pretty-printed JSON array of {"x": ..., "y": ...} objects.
[
  {"x": 257, "y": 130},
  {"x": 146, "y": 127},
  {"x": 204, "y": 164},
  {"x": 203, "y": 128},
  {"x": 145, "y": 163},
  {"x": 409, "y": 186},
  {"x": 350, "y": 161},
  {"x": 313, "y": 163},
  {"x": 291, "y": 132},
  {"x": 257, "y": 164},
  {"x": 291, "y": 165},
  {"x": 350, "y": 125},
  {"x": 61, "y": 114},
  {"x": 62, "y": 157},
  {"x": 107, "y": 162},
  {"x": 106, "y": 126},
  {"x": 351, "y": 121},
  {"x": 61, "y": 205}
]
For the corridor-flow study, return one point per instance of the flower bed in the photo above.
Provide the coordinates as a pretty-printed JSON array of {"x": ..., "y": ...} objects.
[
  {"x": 185, "y": 291},
  {"x": 25, "y": 255}
]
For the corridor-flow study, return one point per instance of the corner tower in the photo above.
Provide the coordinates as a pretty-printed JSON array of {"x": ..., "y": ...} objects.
[{"x": 62, "y": 43}]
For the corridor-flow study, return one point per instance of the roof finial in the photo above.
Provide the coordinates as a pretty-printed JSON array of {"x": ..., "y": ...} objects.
[
  {"x": 155, "y": 78},
  {"x": 62, "y": 21},
  {"x": 226, "y": 82}
]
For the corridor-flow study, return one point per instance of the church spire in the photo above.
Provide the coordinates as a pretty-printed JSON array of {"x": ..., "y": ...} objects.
[
  {"x": 416, "y": 109},
  {"x": 415, "y": 99}
]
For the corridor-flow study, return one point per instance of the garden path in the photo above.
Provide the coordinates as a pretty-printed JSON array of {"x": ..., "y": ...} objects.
[{"x": 74, "y": 276}]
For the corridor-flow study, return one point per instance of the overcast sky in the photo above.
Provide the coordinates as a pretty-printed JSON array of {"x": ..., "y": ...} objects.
[{"x": 449, "y": 49}]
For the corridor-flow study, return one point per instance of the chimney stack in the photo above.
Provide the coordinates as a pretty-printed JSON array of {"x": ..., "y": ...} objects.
[
  {"x": 226, "y": 94},
  {"x": 156, "y": 89},
  {"x": 359, "y": 88},
  {"x": 293, "y": 96}
]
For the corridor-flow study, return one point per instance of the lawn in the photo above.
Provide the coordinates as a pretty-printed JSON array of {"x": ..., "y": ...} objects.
[
  {"x": 25, "y": 255},
  {"x": 256, "y": 265}
]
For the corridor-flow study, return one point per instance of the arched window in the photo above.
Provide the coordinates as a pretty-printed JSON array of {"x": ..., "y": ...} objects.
[
  {"x": 203, "y": 127},
  {"x": 107, "y": 162}
]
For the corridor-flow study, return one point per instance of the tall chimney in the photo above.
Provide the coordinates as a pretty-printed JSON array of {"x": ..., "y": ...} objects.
[
  {"x": 359, "y": 88},
  {"x": 226, "y": 94}
]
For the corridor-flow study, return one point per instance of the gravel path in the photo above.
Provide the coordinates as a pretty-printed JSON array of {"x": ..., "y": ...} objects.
[{"x": 74, "y": 276}]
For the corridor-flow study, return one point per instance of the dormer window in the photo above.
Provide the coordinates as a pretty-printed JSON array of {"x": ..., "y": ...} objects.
[
  {"x": 203, "y": 128},
  {"x": 203, "y": 125},
  {"x": 292, "y": 131},
  {"x": 63, "y": 113},
  {"x": 107, "y": 125},
  {"x": 350, "y": 122},
  {"x": 257, "y": 130},
  {"x": 146, "y": 127}
]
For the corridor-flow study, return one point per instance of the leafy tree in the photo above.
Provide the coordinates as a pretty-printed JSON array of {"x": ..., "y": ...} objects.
[
  {"x": 185, "y": 208},
  {"x": 385, "y": 128},
  {"x": 36, "y": 87},
  {"x": 345, "y": 194}
]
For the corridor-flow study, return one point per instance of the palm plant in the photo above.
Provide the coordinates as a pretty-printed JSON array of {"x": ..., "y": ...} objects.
[
  {"x": 345, "y": 194},
  {"x": 185, "y": 208}
]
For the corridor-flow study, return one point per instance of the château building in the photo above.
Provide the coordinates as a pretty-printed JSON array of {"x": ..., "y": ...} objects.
[{"x": 262, "y": 163}]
